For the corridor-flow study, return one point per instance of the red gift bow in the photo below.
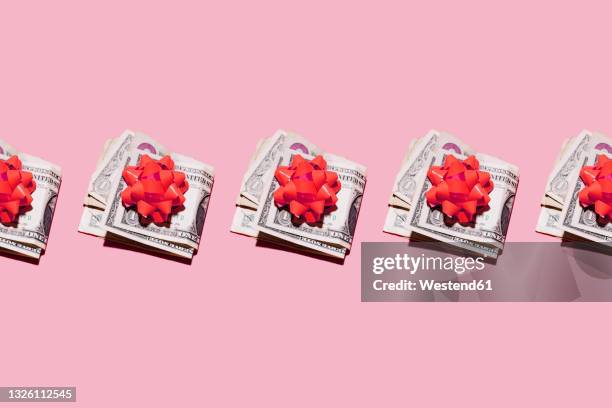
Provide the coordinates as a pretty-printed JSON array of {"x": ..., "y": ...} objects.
[
  {"x": 16, "y": 188},
  {"x": 154, "y": 187},
  {"x": 460, "y": 187},
  {"x": 598, "y": 190},
  {"x": 307, "y": 187}
]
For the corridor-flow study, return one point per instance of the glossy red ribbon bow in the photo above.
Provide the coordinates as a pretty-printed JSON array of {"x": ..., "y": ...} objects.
[
  {"x": 307, "y": 187},
  {"x": 154, "y": 187},
  {"x": 460, "y": 187},
  {"x": 598, "y": 190},
  {"x": 16, "y": 188}
]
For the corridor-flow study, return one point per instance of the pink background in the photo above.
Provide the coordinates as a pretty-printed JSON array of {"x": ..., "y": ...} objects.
[{"x": 245, "y": 326}]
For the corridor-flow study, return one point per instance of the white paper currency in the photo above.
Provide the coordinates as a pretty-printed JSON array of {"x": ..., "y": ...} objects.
[
  {"x": 337, "y": 228},
  {"x": 261, "y": 169},
  {"x": 410, "y": 216},
  {"x": 104, "y": 214},
  {"x": 582, "y": 221},
  {"x": 29, "y": 234},
  {"x": 109, "y": 167},
  {"x": 561, "y": 214},
  {"x": 418, "y": 157},
  {"x": 257, "y": 216}
]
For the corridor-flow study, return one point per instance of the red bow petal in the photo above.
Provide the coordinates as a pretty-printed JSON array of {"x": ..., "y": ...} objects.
[
  {"x": 181, "y": 181},
  {"x": 325, "y": 193},
  {"x": 172, "y": 193},
  {"x": 478, "y": 193},
  {"x": 469, "y": 207},
  {"x": 432, "y": 196},
  {"x": 291, "y": 192},
  {"x": 311, "y": 217},
  {"x": 442, "y": 192},
  {"x": 297, "y": 208},
  {"x": 318, "y": 207},
  {"x": 436, "y": 174},
  {"x": 449, "y": 208},
  {"x": 131, "y": 175},
  {"x": 319, "y": 178},
  {"x": 319, "y": 163},
  {"x": 167, "y": 162},
  {"x": 332, "y": 180},
  {"x": 602, "y": 208},
  {"x": 164, "y": 207},
  {"x": 283, "y": 175},
  {"x": 463, "y": 218}
]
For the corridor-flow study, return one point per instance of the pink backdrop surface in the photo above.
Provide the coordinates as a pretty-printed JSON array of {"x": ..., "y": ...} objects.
[{"x": 246, "y": 326}]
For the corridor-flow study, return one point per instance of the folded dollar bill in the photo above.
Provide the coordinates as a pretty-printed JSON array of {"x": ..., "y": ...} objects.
[
  {"x": 258, "y": 215},
  {"x": 561, "y": 213},
  {"x": 106, "y": 216},
  {"x": 27, "y": 234},
  {"x": 409, "y": 214}
]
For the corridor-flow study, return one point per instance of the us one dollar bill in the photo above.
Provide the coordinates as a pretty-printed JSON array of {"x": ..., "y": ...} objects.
[
  {"x": 257, "y": 215},
  {"x": 583, "y": 221},
  {"x": 109, "y": 165},
  {"x": 561, "y": 214},
  {"x": 28, "y": 235},
  {"x": 104, "y": 215},
  {"x": 409, "y": 215},
  {"x": 416, "y": 162},
  {"x": 107, "y": 172},
  {"x": 261, "y": 169}
]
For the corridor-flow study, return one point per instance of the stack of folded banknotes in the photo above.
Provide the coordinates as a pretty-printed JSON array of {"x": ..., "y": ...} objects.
[
  {"x": 409, "y": 214},
  {"x": 105, "y": 215},
  {"x": 28, "y": 233},
  {"x": 258, "y": 216},
  {"x": 561, "y": 213}
]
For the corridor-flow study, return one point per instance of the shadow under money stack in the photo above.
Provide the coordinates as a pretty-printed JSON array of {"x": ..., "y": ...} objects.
[
  {"x": 28, "y": 194},
  {"x": 447, "y": 192},
  {"x": 143, "y": 196},
  {"x": 295, "y": 195},
  {"x": 577, "y": 203}
]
